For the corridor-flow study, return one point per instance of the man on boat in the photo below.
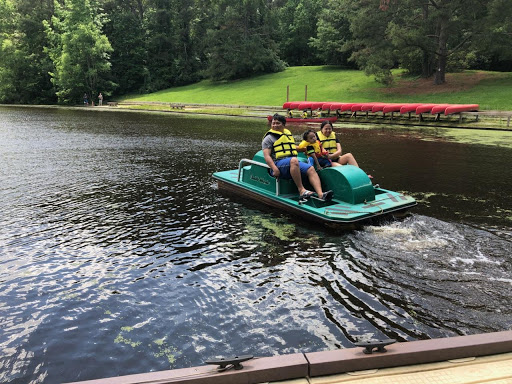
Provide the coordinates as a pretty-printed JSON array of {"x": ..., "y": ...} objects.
[{"x": 280, "y": 154}]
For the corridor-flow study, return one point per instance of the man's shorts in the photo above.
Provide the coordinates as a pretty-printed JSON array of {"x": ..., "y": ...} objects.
[{"x": 284, "y": 168}]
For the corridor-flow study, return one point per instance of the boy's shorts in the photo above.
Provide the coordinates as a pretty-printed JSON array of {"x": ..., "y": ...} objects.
[
  {"x": 284, "y": 168},
  {"x": 322, "y": 161}
]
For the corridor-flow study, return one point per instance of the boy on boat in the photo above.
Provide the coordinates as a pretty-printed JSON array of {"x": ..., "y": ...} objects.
[
  {"x": 280, "y": 153},
  {"x": 317, "y": 155}
]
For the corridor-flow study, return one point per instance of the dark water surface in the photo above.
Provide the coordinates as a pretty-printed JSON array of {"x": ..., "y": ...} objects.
[{"x": 119, "y": 256}]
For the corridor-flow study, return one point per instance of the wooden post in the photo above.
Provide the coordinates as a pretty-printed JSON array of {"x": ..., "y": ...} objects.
[
  {"x": 287, "y": 93},
  {"x": 306, "y": 93}
]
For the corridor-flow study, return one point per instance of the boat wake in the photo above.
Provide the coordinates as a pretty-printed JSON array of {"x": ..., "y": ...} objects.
[
  {"x": 448, "y": 274},
  {"x": 413, "y": 233}
]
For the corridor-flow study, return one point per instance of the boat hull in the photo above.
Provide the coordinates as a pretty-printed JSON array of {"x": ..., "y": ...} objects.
[
  {"x": 356, "y": 201},
  {"x": 244, "y": 193}
]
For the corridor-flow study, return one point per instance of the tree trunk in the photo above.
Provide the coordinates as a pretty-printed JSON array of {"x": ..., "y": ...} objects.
[
  {"x": 426, "y": 64},
  {"x": 442, "y": 52}
]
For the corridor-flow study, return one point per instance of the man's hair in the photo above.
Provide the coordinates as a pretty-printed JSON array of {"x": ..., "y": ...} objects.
[{"x": 280, "y": 118}]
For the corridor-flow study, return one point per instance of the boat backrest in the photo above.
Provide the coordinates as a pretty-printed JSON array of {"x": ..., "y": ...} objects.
[{"x": 349, "y": 184}]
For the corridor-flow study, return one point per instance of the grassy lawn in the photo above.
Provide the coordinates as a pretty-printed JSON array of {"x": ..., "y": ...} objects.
[{"x": 492, "y": 90}]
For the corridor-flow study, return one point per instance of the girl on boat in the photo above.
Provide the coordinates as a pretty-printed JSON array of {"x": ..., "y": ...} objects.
[
  {"x": 318, "y": 157},
  {"x": 332, "y": 145}
]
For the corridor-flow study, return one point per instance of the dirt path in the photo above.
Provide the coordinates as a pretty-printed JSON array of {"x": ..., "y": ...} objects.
[{"x": 455, "y": 82}]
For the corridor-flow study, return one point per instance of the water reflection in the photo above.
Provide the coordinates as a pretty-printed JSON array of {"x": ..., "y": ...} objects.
[{"x": 120, "y": 256}]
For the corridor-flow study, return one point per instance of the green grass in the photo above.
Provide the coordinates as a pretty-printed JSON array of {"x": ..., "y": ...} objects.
[{"x": 326, "y": 83}]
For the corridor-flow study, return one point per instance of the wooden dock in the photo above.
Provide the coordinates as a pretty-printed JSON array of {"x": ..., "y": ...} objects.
[
  {"x": 484, "y": 358},
  {"x": 474, "y": 370}
]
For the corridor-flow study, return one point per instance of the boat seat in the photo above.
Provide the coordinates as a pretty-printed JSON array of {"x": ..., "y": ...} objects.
[
  {"x": 259, "y": 177},
  {"x": 349, "y": 183}
]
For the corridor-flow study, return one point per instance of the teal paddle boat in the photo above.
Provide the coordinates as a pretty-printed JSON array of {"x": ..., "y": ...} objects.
[{"x": 355, "y": 198}]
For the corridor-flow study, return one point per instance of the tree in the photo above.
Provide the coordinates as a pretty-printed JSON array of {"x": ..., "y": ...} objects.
[
  {"x": 240, "y": 43},
  {"x": 126, "y": 31},
  {"x": 160, "y": 45},
  {"x": 333, "y": 35},
  {"x": 441, "y": 33},
  {"x": 24, "y": 65},
  {"x": 188, "y": 23},
  {"x": 79, "y": 50},
  {"x": 8, "y": 55},
  {"x": 372, "y": 49},
  {"x": 493, "y": 47},
  {"x": 298, "y": 21}
]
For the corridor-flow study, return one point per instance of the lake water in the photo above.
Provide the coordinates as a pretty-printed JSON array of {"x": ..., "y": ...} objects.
[{"x": 118, "y": 255}]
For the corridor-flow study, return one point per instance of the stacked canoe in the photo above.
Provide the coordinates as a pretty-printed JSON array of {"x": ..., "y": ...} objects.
[{"x": 375, "y": 107}]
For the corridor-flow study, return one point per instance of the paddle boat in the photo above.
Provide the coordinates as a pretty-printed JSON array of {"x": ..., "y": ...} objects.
[{"x": 355, "y": 199}]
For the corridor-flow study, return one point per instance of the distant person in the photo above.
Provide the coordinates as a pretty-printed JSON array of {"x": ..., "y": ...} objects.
[
  {"x": 316, "y": 154},
  {"x": 332, "y": 145},
  {"x": 280, "y": 153},
  {"x": 100, "y": 99},
  {"x": 86, "y": 99}
]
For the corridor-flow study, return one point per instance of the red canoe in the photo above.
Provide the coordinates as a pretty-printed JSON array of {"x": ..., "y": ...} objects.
[
  {"x": 356, "y": 107},
  {"x": 409, "y": 108},
  {"x": 423, "y": 108},
  {"x": 397, "y": 107},
  {"x": 332, "y": 119},
  {"x": 365, "y": 107},
  {"x": 346, "y": 106},
  {"x": 293, "y": 105},
  {"x": 379, "y": 107},
  {"x": 304, "y": 105},
  {"x": 456, "y": 108},
  {"x": 368, "y": 107},
  {"x": 439, "y": 108},
  {"x": 317, "y": 104},
  {"x": 331, "y": 106}
]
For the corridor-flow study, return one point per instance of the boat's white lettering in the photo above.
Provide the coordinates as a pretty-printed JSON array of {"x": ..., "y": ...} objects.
[{"x": 259, "y": 180}]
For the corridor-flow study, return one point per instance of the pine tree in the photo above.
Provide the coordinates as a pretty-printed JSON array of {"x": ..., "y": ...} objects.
[{"x": 79, "y": 50}]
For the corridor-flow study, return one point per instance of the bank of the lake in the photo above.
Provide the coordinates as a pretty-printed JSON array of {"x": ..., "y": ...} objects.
[
  {"x": 491, "y": 90},
  {"x": 262, "y": 94}
]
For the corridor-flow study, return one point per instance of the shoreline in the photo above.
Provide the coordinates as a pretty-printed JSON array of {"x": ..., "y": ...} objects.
[{"x": 484, "y": 121}]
